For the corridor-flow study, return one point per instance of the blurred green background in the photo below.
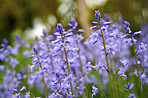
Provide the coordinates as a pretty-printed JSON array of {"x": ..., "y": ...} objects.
[{"x": 29, "y": 17}]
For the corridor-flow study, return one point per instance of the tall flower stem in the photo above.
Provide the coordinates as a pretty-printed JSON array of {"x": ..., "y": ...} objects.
[
  {"x": 109, "y": 74},
  {"x": 81, "y": 67},
  {"x": 137, "y": 66},
  {"x": 68, "y": 70},
  {"x": 46, "y": 91}
]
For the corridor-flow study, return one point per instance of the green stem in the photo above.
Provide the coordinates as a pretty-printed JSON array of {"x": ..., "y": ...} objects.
[
  {"x": 137, "y": 66},
  {"x": 103, "y": 94},
  {"x": 81, "y": 67},
  {"x": 46, "y": 91},
  {"x": 112, "y": 92},
  {"x": 68, "y": 70}
]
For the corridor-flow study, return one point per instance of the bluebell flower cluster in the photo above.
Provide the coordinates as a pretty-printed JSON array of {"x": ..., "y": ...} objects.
[
  {"x": 65, "y": 65},
  {"x": 13, "y": 78}
]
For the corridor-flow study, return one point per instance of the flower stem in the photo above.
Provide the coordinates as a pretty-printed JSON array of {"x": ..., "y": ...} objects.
[
  {"x": 137, "y": 66},
  {"x": 112, "y": 92},
  {"x": 103, "y": 94},
  {"x": 81, "y": 67},
  {"x": 68, "y": 70},
  {"x": 46, "y": 91}
]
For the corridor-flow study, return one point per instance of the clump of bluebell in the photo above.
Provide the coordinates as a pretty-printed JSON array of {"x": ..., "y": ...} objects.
[{"x": 65, "y": 65}]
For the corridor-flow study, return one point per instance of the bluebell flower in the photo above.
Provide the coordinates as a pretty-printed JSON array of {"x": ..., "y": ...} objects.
[
  {"x": 27, "y": 95},
  {"x": 98, "y": 66},
  {"x": 35, "y": 50},
  {"x": 120, "y": 21},
  {"x": 98, "y": 15},
  {"x": 124, "y": 61},
  {"x": 144, "y": 78},
  {"x": 106, "y": 17},
  {"x": 132, "y": 96},
  {"x": 70, "y": 95},
  {"x": 95, "y": 90},
  {"x": 44, "y": 33},
  {"x": 94, "y": 27},
  {"x": 23, "y": 88},
  {"x": 13, "y": 61},
  {"x": 2, "y": 67},
  {"x": 55, "y": 95},
  {"x": 121, "y": 73},
  {"x": 26, "y": 54},
  {"x": 27, "y": 45},
  {"x": 60, "y": 28},
  {"x": 73, "y": 26},
  {"x": 142, "y": 47},
  {"x": 5, "y": 41},
  {"x": 14, "y": 50},
  {"x": 32, "y": 67},
  {"x": 137, "y": 33},
  {"x": 18, "y": 39},
  {"x": 128, "y": 86},
  {"x": 95, "y": 23},
  {"x": 126, "y": 26},
  {"x": 18, "y": 93}
]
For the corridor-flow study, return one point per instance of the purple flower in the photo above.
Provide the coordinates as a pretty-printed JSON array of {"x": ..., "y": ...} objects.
[
  {"x": 5, "y": 41},
  {"x": 142, "y": 47},
  {"x": 60, "y": 28},
  {"x": 32, "y": 67},
  {"x": 126, "y": 26},
  {"x": 94, "y": 27},
  {"x": 73, "y": 24},
  {"x": 121, "y": 73},
  {"x": 128, "y": 86},
  {"x": 98, "y": 67},
  {"x": 132, "y": 96},
  {"x": 95, "y": 23},
  {"x": 106, "y": 17},
  {"x": 143, "y": 76},
  {"x": 80, "y": 30},
  {"x": 137, "y": 33},
  {"x": 124, "y": 61},
  {"x": 95, "y": 90},
  {"x": 97, "y": 15},
  {"x": 44, "y": 33},
  {"x": 23, "y": 88},
  {"x": 26, "y": 54},
  {"x": 13, "y": 62},
  {"x": 35, "y": 50}
]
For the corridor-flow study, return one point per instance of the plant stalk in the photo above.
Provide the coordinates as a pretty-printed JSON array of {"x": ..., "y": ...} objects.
[
  {"x": 46, "y": 91},
  {"x": 68, "y": 70},
  {"x": 137, "y": 66},
  {"x": 81, "y": 67},
  {"x": 112, "y": 92}
]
